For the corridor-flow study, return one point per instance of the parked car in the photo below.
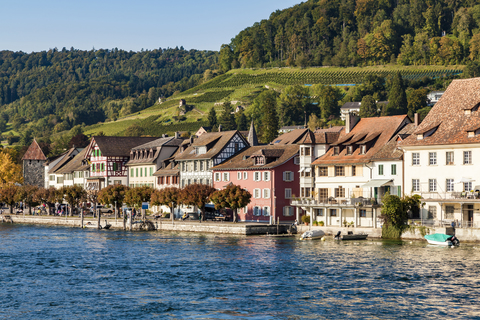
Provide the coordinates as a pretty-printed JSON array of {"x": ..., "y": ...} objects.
[{"x": 102, "y": 209}]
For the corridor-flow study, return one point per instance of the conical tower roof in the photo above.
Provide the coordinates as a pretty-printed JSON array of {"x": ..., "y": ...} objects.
[
  {"x": 34, "y": 152},
  {"x": 252, "y": 136}
]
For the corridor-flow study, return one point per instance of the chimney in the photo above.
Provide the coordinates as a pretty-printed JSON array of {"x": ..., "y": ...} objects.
[
  {"x": 177, "y": 135},
  {"x": 415, "y": 119},
  {"x": 191, "y": 139},
  {"x": 164, "y": 135},
  {"x": 351, "y": 120},
  {"x": 219, "y": 128}
]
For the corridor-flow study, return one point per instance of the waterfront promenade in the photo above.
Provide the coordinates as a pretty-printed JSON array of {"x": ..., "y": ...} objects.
[{"x": 240, "y": 228}]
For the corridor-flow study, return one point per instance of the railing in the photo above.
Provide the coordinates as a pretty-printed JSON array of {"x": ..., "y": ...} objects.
[
  {"x": 443, "y": 223},
  {"x": 339, "y": 201},
  {"x": 467, "y": 195}
]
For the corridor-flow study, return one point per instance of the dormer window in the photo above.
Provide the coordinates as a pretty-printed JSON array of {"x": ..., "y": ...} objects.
[
  {"x": 259, "y": 161},
  {"x": 349, "y": 150},
  {"x": 363, "y": 149},
  {"x": 336, "y": 151},
  {"x": 201, "y": 150}
]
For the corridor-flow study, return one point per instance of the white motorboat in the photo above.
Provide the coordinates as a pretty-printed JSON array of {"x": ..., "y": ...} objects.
[
  {"x": 441, "y": 239},
  {"x": 312, "y": 235},
  {"x": 351, "y": 236}
]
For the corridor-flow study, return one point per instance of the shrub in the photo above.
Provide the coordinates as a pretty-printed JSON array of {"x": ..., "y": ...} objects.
[
  {"x": 306, "y": 219},
  {"x": 321, "y": 223}
]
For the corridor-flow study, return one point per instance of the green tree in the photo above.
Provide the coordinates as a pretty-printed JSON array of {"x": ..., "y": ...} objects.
[
  {"x": 8, "y": 194},
  {"x": 135, "y": 196},
  {"x": 212, "y": 118},
  {"x": 397, "y": 98},
  {"x": 417, "y": 99},
  {"x": 170, "y": 197},
  {"x": 225, "y": 58},
  {"x": 26, "y": 194},
  {"x": 227, "y": 119},
  {"x": 327, "y": 98},
  {"x": 242, "y": 122},
  {"x": 395, "y": 214},
  {"x": 197, "y": 195},
  {"x": 113, "y": 195},
  {"x": 292, "y": 104},
  {"x": 314, "y": 122},
  {"x": 270, "y": 123},
  {"x": 74, "y": 195},
  {"x": 368, "y": 108},
  {"x": 233, "y": 197}
]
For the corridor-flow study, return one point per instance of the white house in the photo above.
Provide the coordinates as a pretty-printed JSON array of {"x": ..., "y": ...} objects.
[{"x": 443, "y": 154}]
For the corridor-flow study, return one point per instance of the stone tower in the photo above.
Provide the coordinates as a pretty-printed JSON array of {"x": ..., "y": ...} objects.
[{"x": 34, "y": 165}]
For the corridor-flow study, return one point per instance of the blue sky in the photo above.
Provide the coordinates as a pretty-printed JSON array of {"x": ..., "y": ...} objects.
[{"x": 34, "y": 25}]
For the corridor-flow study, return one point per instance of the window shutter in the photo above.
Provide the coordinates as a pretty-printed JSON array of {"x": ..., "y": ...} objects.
[
  {"x": 239, "y": 176},
  {"x": 284, "y": 176}
]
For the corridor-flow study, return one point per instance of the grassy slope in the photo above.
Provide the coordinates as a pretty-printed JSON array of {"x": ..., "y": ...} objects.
[{"x": 220, "y": 89}]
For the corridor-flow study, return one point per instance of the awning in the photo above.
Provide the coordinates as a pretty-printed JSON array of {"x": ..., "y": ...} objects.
[
  {"x": 464, "y": 179},
  {"x": 477, "y": 188},
  {"x": 376, "y": 183},
  {"x": 301, "y": 170},
  {"x": 308, "y": 169}
]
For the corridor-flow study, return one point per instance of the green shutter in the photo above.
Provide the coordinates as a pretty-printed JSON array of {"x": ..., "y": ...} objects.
[
  {"x": 131, "y": 172},
  {"x": 380, "y": 169},
  {"x": 394, "y": 169}
]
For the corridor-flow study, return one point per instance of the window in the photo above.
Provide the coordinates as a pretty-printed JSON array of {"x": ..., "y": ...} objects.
[
  {"x": 467, "y": 186},
  {"x": 266, "y": 211},
  {"x": 318, "y": 212},
  {"x": 363, "y": 213},
  {"x": 256, "y": 193},
  {"x": 208, "y": 165},
  {"x": 259, "y": 161},
  {"x": 449, "y": 212},
  {"x": 52, "y": 177},
  {"x": 288, "y": 176},
  {"x": 226, "y": 176},
  {"x": 217, "y": 176},
  {"x": 333, "y": 212},
  {"x": 245, "y": 210},
  {"x": 151, "y": 171},
  {"x": 339, "y": 171},
  {"x": 432, "y": 212},
  {"x": 415, "y": 159},
  {"x": 201, "y": 165},
  {"x": 415, "y": 185},
  {"x": 432, "y": 158},
  {"x": 467, "y": 157},
  {"x": 256, "y": 211},
  {"x": 59, "y": 179},
  {"x": 380, "y": 169},
  {"x": 394, "y": 169},
  {"x": 336, "y": 151},
  {"x": 340, "y": 192},
  {"x": 323, "y": 194},
  {"x": 449, "y": 187},
  {"x": 307, "y": 151},
  {"x": 183, "y": 166},
  {"x": 239, "y": 176},
  {"x": 266, "y": 193},
  {"x": 288, "y": 193},
  {"x": 195, "y": 165},
  {"x": 288, "y": 211},
  {"x": 245, "y": 175},
  {"x": 266, "y": 176},
  {"x": 432, "y": 185},
  {"x": 323, "y": 171},
  {"x": 363, "y": 149},
  {"x": 114, "y": 166},
  {"x": 354, "y": 170},
  {"x": 449, "y": 158},
  {"x": 257, "y": 176}
]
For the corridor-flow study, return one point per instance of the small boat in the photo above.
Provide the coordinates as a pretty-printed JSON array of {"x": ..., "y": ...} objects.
[
  {"x": 312, "y": 235},
  {"x": 441, "y": 239},
  {"x": 351, "y": 236}
]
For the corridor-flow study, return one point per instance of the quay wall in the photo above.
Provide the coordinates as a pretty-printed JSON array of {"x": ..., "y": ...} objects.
[{"x": 463, "y": 234}]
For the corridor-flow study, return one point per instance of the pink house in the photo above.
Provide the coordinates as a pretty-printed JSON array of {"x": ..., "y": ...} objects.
[{"x": 270, "y": 174}]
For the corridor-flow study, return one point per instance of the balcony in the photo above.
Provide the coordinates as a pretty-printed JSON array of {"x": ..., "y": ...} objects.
[
  {"x": 337, "y": 202},
  {"x": 466, "y": 196}
]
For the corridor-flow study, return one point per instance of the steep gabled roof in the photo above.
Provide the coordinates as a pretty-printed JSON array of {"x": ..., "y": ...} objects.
[
  {"x": 66, "y": 157},
  {"x": 278, "y": 154},
  {"x": 214, "y": 141},
  {"x": 322, "y": 136},
  {"x": 156, "y": 147},
  {"x": 452, "y": 116},
  {"x": 34, "y": 152},
  {"x": 117, "y": 146},
  {"x": 377, "y": 132},
  {"x": 76, "y": 164},
  {"x": 291, "y": 137}
]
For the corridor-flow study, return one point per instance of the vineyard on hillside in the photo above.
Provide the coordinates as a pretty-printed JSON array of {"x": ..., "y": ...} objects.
[{"x": 230, "y": 80}]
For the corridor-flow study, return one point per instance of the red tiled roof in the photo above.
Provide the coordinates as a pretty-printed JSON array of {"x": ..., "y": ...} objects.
[
  {"x": 449, "y": 116},
  {"x": 34, "y": 152},
  {"x": 291, "y": 137},
  {"x": 377, "y": 131}
]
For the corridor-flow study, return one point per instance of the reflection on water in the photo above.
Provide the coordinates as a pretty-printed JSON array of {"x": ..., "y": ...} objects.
[{"x": 63, "y": 273}]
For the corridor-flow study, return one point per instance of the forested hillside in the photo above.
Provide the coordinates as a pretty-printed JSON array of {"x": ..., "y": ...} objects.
[
  {"x": 54, "y": 90},
  {"x": 360, "y": 32}
]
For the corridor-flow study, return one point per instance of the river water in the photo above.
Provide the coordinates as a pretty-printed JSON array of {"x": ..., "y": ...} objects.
[{"x": 65, "y": 273}]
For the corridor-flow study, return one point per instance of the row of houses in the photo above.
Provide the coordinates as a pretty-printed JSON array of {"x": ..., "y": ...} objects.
[{"x": 337, "y": 175}]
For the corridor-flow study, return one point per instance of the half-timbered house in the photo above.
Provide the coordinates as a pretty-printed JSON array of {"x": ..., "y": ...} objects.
[
  {"x": 108, "y": 158},
  {"x": 210, "y": 149}
]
